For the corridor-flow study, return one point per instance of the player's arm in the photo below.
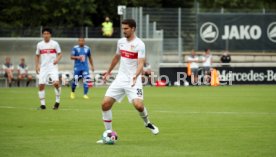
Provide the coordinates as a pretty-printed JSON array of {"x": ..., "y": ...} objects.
[
  {"x": 59, "y": 56},
  {"x": 11, "y": 69},
  {"x": 139, "y": 70},
  {"x": 76, "y": 57},
  {"x": 18, "y": 71},
  {"x": 141, "y": 62},
  {"x": 37, "y": 57},
  {"x": 189, "y": 60},
  {"x": 4, "y": 68},
  {"x": 73, "y": 55},
  {"x": 90, "y": 60},
  {"x": 114, "y": 62},
  {"x": 91, "y": 63}
]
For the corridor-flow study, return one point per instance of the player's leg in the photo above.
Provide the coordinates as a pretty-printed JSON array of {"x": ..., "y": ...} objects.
[
  {"x": 57, "y": 87},
  {"x": 41, "y": 94},
  {"x": 29, "y": 79},
  {"x": 74, "y": 84},
  {"x": 140, "y": 107},
  {"x": 10, "y": 77},
  {"x": 106, "y": 112},
  {"x": 135, "y": 95},
  {"x": 114, "y": 93},
  {"x": 86, "y": 83},
  {"x": 41, "y": 88},
  {"x": 19, "y": 79}
]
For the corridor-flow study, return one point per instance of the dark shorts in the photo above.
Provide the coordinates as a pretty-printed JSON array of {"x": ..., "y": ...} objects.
[
  {"x": 81, "y": 73},
  {"x": 206, "y": 70},
  {"x": 194, "y": 71}
]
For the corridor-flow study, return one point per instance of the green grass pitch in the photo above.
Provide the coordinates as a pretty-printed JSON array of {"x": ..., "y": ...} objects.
[{"x": 236, "y": 121}]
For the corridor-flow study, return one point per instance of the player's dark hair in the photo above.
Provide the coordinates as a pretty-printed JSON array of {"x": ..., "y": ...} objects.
[
  {"x": 46, "y": 29},
  {"x": 81, "y": 37},
  {"x": 130, "y": 22},
  {"x": 207, "y": 49}
]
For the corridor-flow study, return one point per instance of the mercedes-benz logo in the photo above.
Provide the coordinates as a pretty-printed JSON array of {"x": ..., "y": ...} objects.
[
  {"x": 209, "y": 32},
  {"x": 271, "y": 32}
]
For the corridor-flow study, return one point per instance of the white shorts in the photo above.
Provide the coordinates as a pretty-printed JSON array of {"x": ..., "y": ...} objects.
[
  {"x": 118, "y": 89},
  {"x": 45, "y": 73}
]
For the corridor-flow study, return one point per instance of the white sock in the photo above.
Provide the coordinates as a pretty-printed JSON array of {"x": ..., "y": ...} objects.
[
  {"x": 58, "y": 92},
  {"x": 144, "y": 115},
  {"x": 41, "y": 95},
  {"x": 107, "y": 118}
]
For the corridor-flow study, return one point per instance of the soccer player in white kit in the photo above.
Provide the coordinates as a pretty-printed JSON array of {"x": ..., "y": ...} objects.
[
  {"x": 131, "y": 54},
  {"x": 48, "y": 53}
]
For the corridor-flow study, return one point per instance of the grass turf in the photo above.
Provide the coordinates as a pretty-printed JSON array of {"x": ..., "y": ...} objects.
[{"x": 194, "y": 121}]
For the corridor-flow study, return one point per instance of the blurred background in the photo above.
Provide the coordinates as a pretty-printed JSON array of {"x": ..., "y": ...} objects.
[{"x": 244, "y": 29}]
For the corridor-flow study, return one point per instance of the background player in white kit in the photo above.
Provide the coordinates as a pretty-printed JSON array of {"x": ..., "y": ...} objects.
[
  {"x": 131, "y": 52},
  {"x": 207, "y": 64},
  {"x": 49, "y": 54}
]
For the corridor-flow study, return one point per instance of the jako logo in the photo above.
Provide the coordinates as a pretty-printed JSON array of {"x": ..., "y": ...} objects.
[
  {"x": 209, "y": 32},
  {"x": 271, "y": 32},
  {"x": 242, "y": 32}
]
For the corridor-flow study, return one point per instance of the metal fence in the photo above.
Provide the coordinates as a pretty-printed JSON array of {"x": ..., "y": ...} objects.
[
  {"x": 61, "y": 32},
  {"x": 176, "y": 27},
  {"x": 179, "y": 26}
]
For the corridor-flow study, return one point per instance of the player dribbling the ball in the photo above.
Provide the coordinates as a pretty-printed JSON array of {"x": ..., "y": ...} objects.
[
  {"x": 48, "y": 53},
  {"x": 131, "y": 52}
]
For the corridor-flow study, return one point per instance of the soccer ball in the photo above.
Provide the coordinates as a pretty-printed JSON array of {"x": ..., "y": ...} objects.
[
  {"x": 109, "y": 137},
  {"x": 176, "y": 83},
  {"x": 186, "y": 84}
]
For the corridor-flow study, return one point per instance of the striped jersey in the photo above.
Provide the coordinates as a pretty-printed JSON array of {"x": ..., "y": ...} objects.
[
  {"x": 48, "y": 52},
  {"x": 130, "y": 52}
]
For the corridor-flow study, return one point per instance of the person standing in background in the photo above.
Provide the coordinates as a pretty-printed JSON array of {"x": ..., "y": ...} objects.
[
  {"x": 193, "y": 60},
  {"x": 207, "y": 63},
  {"x": 107, "y": 28}
]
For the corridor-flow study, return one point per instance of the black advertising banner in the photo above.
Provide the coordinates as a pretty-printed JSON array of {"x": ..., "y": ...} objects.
[
  {"x": 228, "y": 75},
  {"x": 237, "y": 32},
  {"x": 248, "y": 75}
]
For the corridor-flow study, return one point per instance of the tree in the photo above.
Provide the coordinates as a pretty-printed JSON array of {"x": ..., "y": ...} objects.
[{"x": 19, "y": 13}]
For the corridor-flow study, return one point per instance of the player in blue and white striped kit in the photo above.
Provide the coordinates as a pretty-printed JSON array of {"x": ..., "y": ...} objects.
[{"x": 82, "y": 55}]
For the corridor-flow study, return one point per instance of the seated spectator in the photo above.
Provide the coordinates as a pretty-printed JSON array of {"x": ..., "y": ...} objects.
[
  {"x": 22, "y": 69},
  {"x": 8, "y": 70}
]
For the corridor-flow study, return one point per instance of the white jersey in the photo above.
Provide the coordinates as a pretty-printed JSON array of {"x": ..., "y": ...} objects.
[
  {"x": 23, "y": 68},
  {"x": 208, "y": 61},
  {"x": 130, "y": 52},
  {"x": 48, "y": 52},
  {"x": 7, "y": 66},
  {"x": 193, "y": 61}
]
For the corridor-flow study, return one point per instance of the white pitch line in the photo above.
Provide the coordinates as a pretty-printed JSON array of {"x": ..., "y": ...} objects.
[{"x": 159, "y": 111}]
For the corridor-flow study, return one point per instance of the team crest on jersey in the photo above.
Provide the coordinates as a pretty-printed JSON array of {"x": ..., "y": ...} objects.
[{"x": 132, "y": 47}]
